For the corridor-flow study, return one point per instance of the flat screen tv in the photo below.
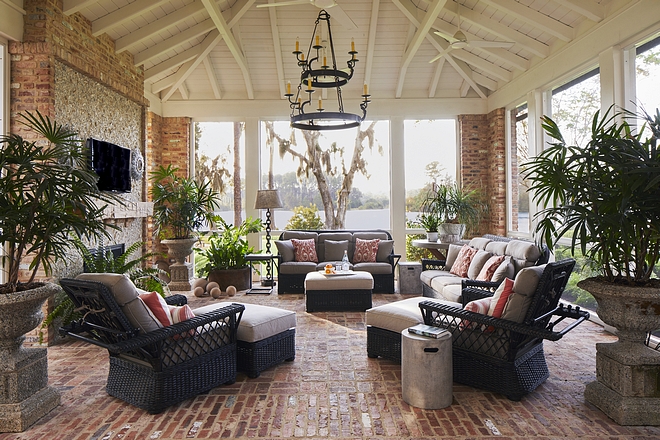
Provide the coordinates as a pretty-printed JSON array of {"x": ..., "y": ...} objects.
[{"x": 112, "y": 163}]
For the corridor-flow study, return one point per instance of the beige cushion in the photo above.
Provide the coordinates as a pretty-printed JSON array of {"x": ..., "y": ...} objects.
[
  {"x": 126, "y": 296},
  {"x": 427, "y": 275},
  {"x": 452, "y": 253},
  {"x": 497, "y": 247},
  {"x": 399, "y": 315},
  {"x": 297, "y": 267},
  {"x": 477, "y": 263},
  {"x": 300, "y": 235},
  {"x": 452, "y": 292},
  {"x": 385, "y": 248},
  {"x": 258, "y": 322},
  {"x": 479, "y": 242},
  {"x": 356, "y": 281},
  {"x": 504, "y": 271},
  {"x": 374, "y": 268},
  {"x": 523, "y": 254},
  {"x": 438, "y": 283},
  {"x": 524, "y": 287}
]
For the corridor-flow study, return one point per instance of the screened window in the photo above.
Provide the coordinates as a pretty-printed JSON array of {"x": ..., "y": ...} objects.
[
  {"x": 519, "y": 218},
  {"x": 574, "y": 105},
  {"x": 647, "y": 66}
]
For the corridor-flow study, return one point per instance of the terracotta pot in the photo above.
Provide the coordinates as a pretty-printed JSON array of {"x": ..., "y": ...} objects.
[
  {"x": 239, "y": 278},
  {"x": 634, "y": 311}
]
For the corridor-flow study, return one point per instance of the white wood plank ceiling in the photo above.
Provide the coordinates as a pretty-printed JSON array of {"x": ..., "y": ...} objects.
[{"x": 232, "y": 49}]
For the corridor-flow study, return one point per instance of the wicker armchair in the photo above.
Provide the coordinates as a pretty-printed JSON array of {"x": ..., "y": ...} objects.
[
  {"x": 501, "y": 355},
  {"x": 163, "y": 367}
]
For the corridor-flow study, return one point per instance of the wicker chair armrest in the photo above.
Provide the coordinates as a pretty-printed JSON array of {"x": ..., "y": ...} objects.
[
  {"x": 151, "y": 338},
  {"x": 176, "y": 300},
  {"x": 472, "y": 290},
  {"x": 393, "y": 259},
  {"x": 429, "y": 264},
  {"x": 432, "y": 312}
]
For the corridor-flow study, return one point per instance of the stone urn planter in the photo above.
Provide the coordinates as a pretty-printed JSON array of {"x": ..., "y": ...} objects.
[
  {"x": 181, "y": 272},
  {"x": 239, "y": 278},
  {"x": 25, "y": 396},
  {"x": 627, "y": 386},
  {"x": 451, "y": 232}
]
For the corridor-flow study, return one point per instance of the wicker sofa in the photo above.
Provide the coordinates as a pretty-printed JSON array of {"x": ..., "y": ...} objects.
[
  {"x": 328, "y": 246},
  {"x": 438, "y": 282}
]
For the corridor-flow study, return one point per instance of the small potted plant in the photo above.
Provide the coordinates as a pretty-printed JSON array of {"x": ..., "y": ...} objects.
[
  {"x": 429, "y": 221},
  {"x": 181, "y": 208},
  {"x": 223, "y": 260},
  {"x": 603, "y": 196}
]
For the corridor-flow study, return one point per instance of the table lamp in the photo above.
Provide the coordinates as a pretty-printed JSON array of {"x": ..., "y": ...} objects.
[{"x": 268, "y": 199}]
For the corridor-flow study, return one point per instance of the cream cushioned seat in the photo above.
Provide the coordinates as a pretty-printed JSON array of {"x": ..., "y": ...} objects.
[{"x": 399, "y": 315}]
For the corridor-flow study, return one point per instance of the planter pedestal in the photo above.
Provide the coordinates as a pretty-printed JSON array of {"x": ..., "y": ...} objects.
[
  {"x": 25, "y": 396},
  {"x": 181, "y": 272},
  {"x": 627, "y": 386}
]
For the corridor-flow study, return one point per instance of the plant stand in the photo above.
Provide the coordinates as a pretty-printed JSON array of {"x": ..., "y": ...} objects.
[
  {"x": 181, "y": 272},
  {"x": 627, "y": 371},
  {"x": 25, "y": 396}
]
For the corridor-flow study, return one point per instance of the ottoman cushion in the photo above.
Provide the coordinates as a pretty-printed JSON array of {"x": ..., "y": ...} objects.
[
  {"x": 357, "y": 281},
  {"x": 400, "y": 315},
  {"x": 258, "y": 322}
]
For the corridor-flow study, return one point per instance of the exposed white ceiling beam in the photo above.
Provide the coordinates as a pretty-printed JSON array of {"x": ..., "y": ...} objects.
[
  {"x": 507, "y": 57},
  {"x": 240, "y": 7},
  {"x": 210, "y": 72},
  {"x": 145, "y": 32},
  {"x": 485, "y": 81},
  {"x": 482, "y": 64},
  {"x": 535, "y": 18},
  {"x": 371, "y": 41},
  {"x": 73, "y": 6},
  {"x": 436, "y": 77},
  {"x": 465, "y": 88},
  {"x": 590, "y": 9},
  {"x": 422, "y": 30},
  {"x": 173, "y": 62},
  {"x": 209, "y": 43},
  {"x": 162, "y": 84},
  {"x": 225, "y": 32},
  {"x": 496, "y": 28},
  {"x": 277, "y": 47},
  {"x": 123, "y": 15},
  {"x": 184, "y": 91}
]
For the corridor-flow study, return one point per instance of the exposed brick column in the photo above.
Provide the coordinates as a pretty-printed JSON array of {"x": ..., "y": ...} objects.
[{"x": 483, "y": 164}]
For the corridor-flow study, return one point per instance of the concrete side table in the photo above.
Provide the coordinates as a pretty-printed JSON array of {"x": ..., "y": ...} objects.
[{"x": 426, "y": 370}]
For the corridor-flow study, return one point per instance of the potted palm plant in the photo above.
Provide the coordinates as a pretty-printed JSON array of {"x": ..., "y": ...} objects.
[
  {"x": 457, "y": 208},
  {"x": 604, "y": 197},
  {"x": 181, "y": 208},
  {"x": 48, "y": 194},
  {"x": 223, "y": 261}
]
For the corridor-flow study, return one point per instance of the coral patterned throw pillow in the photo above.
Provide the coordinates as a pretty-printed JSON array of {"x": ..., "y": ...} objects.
[
  {"x": 463, "y": 260},
  {"x": 304, "y": 250},
  {"x": 365, "y": 250}
]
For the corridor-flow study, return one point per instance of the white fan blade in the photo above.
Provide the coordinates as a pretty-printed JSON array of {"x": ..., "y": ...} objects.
[
  {"x": 287, "y": 3},
  {"x": 504, "y": 44},
  {"x": 342, "y": 17},
  {"x": 447, "y": 37},
  {"x": 440, "y": 55}
]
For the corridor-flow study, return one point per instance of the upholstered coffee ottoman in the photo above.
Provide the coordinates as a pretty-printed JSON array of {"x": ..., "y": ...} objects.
[
  {"x": 385, "y": 324},
  {"x": 266, "y": 336},
  {"x": 338, "y": 292}
]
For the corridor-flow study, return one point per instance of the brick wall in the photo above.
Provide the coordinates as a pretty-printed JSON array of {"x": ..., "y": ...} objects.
[{"x": 483, "y": 164}]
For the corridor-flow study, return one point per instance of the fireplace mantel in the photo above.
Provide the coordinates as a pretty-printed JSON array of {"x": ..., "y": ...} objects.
[{"x": 129, "y": 210}]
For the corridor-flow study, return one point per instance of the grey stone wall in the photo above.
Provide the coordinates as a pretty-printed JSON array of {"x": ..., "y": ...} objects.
[{"x": 94, "y": 110}]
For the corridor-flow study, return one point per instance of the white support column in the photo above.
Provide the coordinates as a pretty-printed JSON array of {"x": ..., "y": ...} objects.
[
  {"x": 398, "y": 185},
  {"x": 252, "y": 173},
  {"x": 537, "y": 106},
  {"x": 612, "y": 83}
]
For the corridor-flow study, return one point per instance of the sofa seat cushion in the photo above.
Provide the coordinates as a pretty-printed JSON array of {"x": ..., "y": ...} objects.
[
  {"x": 399, "y": 315},
  {"x": 258, "y": 322},
  {"x": 335, "y": 263},
  {"x": 452, "y": 292},
  {"x": 297, "y": 267},
  {"x": 427, "y": 275},
  {"x": 374, "y": 268},
  {"x": 439, "y": 283}
]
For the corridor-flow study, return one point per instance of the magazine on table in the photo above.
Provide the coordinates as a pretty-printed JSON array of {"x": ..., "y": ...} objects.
[{"x": 427, "y": 330}]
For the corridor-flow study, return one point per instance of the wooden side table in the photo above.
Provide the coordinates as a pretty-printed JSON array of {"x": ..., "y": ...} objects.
[{"x": 437, "y": 248}]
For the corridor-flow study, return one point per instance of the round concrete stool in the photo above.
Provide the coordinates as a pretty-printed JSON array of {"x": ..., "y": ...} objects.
[{"x": 426, "y": 370}]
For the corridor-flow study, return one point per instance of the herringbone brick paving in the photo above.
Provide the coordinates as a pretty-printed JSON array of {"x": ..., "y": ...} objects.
[{"x": 331, "y": 390}]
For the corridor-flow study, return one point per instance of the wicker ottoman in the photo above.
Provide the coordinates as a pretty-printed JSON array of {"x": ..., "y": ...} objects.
[
  {"x": 266, "y": 336},
  {"x": 385, "y": 324},
  {"x": 338, "y": 292}
]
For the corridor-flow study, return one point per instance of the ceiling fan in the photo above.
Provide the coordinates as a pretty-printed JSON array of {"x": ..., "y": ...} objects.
[
  {"x": 337, "y": 12},
  {"x": 460, "y": 41}
]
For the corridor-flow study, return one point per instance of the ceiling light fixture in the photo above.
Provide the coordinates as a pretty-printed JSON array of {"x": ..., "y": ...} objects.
[{"x": 317, "y": 74}]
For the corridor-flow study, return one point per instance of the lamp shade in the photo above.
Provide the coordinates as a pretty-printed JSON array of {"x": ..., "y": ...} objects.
[{"x": 267, "y": 199}]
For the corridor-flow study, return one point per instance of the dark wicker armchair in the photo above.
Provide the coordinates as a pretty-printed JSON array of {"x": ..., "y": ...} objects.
[
  {"x": 160, "y": 368},
  {"x": 501, "y": 355}
]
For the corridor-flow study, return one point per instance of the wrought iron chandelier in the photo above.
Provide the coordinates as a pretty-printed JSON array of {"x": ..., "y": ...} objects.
[{"x": 317, "y": 74}]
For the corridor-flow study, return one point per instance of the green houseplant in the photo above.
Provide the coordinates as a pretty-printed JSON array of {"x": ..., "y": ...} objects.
[
  {"x": 604, "y": 197},
  {"x": 48, "y": 194},
  {"x": 223, "y": 261},
  {"x": 181, "y": 208},
  {"x": 457, "y": 208}
]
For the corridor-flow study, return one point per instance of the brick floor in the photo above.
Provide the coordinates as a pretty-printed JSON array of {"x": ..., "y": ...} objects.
[{"x": 331, "y": 390}]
